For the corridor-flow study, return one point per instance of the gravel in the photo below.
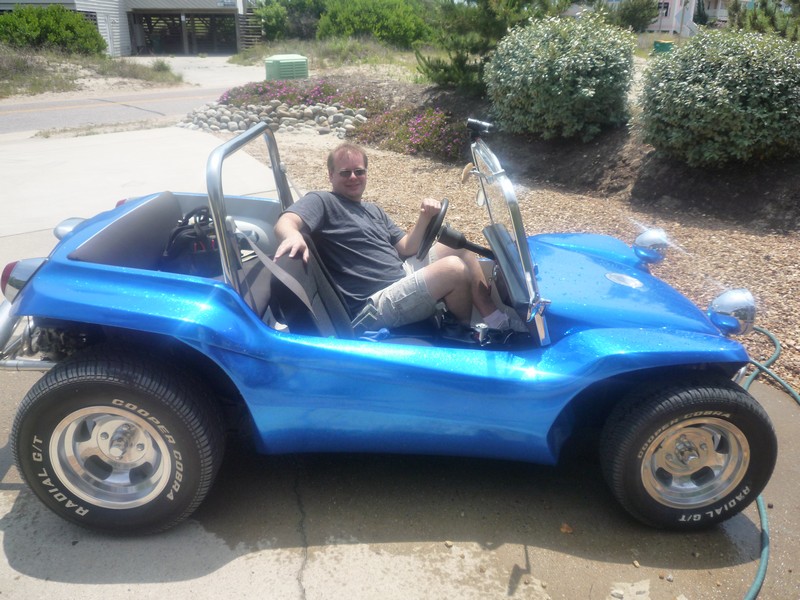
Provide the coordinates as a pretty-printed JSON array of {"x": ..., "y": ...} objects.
[{"x": 708, "y": 256}]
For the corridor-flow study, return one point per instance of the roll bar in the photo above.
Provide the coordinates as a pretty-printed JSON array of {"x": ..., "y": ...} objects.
[{"x": 226, "y": 232}]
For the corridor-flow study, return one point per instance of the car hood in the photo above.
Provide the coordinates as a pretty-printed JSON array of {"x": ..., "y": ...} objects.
[{"x": 595, "y": 281}]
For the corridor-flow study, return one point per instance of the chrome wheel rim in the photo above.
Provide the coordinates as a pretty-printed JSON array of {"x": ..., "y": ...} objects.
[
  {"x": 695, "y": 463},
  {"x": 110, "y": 457}
]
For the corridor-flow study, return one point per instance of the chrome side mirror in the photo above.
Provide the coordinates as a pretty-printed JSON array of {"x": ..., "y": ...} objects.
[
  {"x": 733, "y": 312},
  {"x": 651, "y": 246}
]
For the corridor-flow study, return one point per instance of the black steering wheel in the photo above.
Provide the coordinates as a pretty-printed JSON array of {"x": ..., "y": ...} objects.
[{"x": 432, "y": 231}]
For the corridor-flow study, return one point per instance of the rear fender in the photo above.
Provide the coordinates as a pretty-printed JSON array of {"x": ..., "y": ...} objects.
[{"x": 200, "y": 311}]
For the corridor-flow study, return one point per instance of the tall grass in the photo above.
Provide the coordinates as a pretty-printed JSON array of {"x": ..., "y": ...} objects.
[
  {"x": 332, "y": 53},
  {"x": 29, "y": 71}
]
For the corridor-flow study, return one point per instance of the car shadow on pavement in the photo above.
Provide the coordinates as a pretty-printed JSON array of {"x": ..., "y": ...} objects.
[{"x": 293, "y": 503}]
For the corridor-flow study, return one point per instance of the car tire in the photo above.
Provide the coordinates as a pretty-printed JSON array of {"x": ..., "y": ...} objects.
[
  {"x": 687, "y": 457},
  {"x": 118, "y": 442}
]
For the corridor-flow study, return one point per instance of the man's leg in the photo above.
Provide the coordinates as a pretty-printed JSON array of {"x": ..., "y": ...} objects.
[
  {"x": 449, "y": 279},
  {"x": 480, "y": 294}
]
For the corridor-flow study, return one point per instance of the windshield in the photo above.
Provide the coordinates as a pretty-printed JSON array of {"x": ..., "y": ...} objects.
[{"x": 506, "y": 234}]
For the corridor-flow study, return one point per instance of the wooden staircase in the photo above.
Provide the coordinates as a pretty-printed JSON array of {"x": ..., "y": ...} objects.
[{"x": 249, "y": 29}]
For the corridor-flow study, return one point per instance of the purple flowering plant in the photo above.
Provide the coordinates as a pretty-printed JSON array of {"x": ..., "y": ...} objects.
[
  {"x": 413, "y": 131},
  {"x": 428, "y": 131},
  {"x": 289, "y": 91}
]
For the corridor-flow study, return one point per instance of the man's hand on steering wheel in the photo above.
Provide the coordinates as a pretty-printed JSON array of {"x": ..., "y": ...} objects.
[{"x": 434, "y": 225}]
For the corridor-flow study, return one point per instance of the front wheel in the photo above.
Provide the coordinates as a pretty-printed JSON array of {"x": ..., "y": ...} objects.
[
  {"x": 117, "y": 442},
  {"x": 689, "y": 456}
]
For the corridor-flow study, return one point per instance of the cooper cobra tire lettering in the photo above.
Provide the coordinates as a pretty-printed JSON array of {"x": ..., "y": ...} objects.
[{"x": 146, "y": 415}]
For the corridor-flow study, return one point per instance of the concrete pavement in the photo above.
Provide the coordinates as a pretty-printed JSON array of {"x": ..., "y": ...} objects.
[
  {"x": 375, "y": 527},
  {"x": 46, "y": 180}
]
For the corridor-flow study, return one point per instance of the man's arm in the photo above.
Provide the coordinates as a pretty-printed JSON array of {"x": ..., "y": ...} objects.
[
  {"x": 409, "y": 244},
  {"x": 289, "y": 229}
]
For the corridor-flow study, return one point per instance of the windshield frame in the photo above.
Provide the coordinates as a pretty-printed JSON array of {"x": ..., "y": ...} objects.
[{"x": 506, "y": 235}]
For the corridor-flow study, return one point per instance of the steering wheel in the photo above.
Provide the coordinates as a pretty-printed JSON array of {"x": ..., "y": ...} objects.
[{"x": 432, "y": 231}]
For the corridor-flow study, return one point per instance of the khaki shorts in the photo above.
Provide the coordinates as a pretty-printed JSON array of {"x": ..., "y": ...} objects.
[{"x": 405, "y": 301}]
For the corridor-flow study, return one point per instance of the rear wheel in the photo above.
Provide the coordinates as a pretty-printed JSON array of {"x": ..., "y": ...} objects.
[
  {"x": 117, "y": 442},
  {"x": 688, "y": 456}
]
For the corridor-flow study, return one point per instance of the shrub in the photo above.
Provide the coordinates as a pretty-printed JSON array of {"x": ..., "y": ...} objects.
[
  {"x": 561, "y": 77},
  {"x": 765, "y": 16},
  {"x": 409, "y": 131},
  {"x": 636, "y": 14},
  {"x": 396, "y": 22},
  {"x": 724, "y": 97},
  {"x": 273, "y": 16},
  {"x": 50, "y": 27}
]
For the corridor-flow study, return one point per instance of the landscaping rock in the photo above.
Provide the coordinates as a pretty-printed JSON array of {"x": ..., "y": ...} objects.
[{"x": 325, "y": 120}]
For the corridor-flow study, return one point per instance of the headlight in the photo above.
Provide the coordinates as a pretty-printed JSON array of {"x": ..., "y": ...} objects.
[{"x": 733, "y": 312}]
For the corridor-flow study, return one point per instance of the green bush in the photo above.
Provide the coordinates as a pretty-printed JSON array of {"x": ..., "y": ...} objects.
[
  {"x": 274, "y": 18},
  {"x": 724, "y": 97},
  {"x": 396, "y": 22},
  {"x": 50, "y": 27},
  {"x": 561, "y": 77},
  {"x": 765, "y": 16},
  {"x": 636, "y": 14}
]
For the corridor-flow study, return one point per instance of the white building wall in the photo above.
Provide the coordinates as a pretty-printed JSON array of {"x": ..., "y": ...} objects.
[
  {"x": 112, "y": 22},
  {"x": 180, "y": 5}
]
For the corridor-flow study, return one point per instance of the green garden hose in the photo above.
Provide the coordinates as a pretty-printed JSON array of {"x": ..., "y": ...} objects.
[{"x": 761, "y": 574}]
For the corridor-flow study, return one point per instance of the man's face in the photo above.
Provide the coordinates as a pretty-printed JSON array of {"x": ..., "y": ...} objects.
[{"x": 344, "y": 180}]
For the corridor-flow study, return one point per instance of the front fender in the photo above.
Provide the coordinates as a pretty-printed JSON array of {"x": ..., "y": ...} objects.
[
  {"x": 591, "y": 357},
  {"x": 603, "y": 353}
]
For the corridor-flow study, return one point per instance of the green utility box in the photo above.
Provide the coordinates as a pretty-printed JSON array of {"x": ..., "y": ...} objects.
[
  {"x": 661, "y": 46},
  {"x": 286, "y": 66}
]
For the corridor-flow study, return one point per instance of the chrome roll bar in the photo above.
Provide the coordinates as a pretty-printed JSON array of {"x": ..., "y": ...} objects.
[{"x": 226, "y": 235}]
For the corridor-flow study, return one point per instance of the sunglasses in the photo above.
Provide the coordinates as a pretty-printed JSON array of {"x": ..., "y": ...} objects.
[{"x": 347, "y": 173}]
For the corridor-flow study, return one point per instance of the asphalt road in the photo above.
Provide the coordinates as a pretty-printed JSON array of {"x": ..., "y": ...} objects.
[
  {"x": 205, "y": 79},
  {"x": 362, "y": 527},
  {"x": 109, "y": 108}
]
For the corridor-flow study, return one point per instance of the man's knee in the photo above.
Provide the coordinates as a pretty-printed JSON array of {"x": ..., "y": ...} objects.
[{"x": 454, "y": 268}]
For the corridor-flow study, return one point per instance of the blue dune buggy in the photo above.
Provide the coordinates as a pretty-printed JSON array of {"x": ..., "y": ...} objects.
[{"x": 164, "y": 327}]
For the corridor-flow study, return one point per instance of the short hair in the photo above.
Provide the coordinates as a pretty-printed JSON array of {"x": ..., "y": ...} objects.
[{"x": 345, "y": 148}]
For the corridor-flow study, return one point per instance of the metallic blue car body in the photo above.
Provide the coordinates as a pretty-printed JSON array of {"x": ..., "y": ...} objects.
[{"x": 309, "y": 394}]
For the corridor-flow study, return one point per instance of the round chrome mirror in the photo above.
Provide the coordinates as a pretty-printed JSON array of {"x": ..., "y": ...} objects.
[
  {"x": 651, "y": 246},
  {"x": 733, "y": 312}
]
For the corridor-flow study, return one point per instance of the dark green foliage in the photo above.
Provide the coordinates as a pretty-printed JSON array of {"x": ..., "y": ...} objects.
[
  {"x": 700, "y": 14},
  {"x": 52, "y": 27},
  {"x": 273, "y": 16},
  {"x": 561, "y": 77},
  {"x": 635, "y": 14},
  {"x": 296, "y": 19},
  {"x": 723, "y": 98},
  {"x": 396, "y": 22},
  {"x": 468, "y": 30},
  {"x": 767, "y": 16}
]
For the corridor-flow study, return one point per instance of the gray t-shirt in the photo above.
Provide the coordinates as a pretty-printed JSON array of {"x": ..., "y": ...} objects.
[{"x": 355, "y": 241}]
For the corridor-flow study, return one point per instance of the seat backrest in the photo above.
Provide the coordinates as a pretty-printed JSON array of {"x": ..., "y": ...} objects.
[{"x": 330, "y": 316}]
